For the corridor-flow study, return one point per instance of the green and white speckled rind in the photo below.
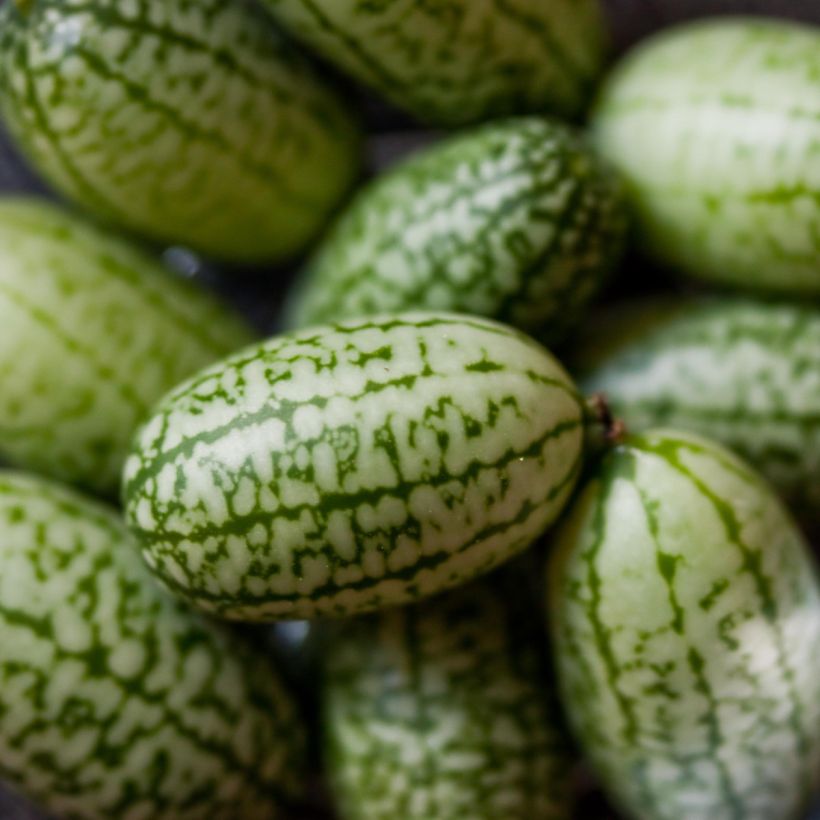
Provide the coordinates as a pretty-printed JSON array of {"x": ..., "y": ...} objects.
[
  {"x": 94, "y": 331},
  {"x": 716, "y": 129},
  {"x": 460, "y": 61},
  {"x": 116, "y": 702},
  {"x": 187, "y": 121},
  {"x": 439, "y": 710},
  {"x": 742, "y": 372},
  {"x": 686, "y": 619},
  {"x": 516, "y": 221},
  {"x": 349, "y": 467}
]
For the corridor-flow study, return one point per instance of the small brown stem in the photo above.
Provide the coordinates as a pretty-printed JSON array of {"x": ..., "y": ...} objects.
[{"x": 610, "y": 430}]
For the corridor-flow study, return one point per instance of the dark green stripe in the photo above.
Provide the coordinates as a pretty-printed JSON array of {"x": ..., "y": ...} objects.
[
  {"x": 620, "y": 466},
  {"x": 88, "y": 354},
  {"x": 752, "y": 564},
  {"x": 331, "y": 502},
  {"x": 35, "y": 105},
  {"x": 353, "y": 46},
  {"x": 139, "y": 95},
  {"x": 154, "y": 284}
]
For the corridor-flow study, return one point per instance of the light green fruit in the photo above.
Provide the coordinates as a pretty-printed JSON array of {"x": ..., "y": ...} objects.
[
  {"x": 189, "y": 122},
  {"x": 94, "y": 331},
  {"x": 440, "y": 710},
  {"x": 461, "y": 61},
  {"x": 686, "y": 624},
  {"x": 746, "y": 373},
  {"x": 116, "y": 702},
  {"x": 354, "y": 466},
  {"x": 516, "y": 220},
  {"x": 715, "y": 128}
]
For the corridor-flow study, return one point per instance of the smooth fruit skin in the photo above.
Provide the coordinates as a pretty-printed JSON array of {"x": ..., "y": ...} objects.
[
  {"x": 94, "y": 331},
  {"x": 349, "y": 467},
  {"x": 516, "y": 220},
  {"x": 188, "y": 122},
  {"x": 686, "y": 626},
  {"x": 715, "y": 127},
  {"x": 745, "y": 373},
  {"x": 116, "y": 702},
  {"x": 462, "y": 61},
  {"x": 440, "y": 710}
]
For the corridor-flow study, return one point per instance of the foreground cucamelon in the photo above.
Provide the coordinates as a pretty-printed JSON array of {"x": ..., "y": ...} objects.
[
  {"x": 740, "y": 371},
  {"x": 440, "y": 710},
  {"x": 686, "y": 622},
  {"x": 516, "y": 220},
  {"x": 352, "y": 466},
  {"x": 716, "y": 129},
  {"x": 94, "y": 331},
  {"x": 115, "y": 702},
  {"x": 190, "y": 122},
  {"x": 469, "y": 61}
]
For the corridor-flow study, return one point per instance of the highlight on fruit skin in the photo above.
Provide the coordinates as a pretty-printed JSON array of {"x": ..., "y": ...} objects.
[
  {"x": 684, "y": 607},
  {"x": 193, "y": 124},
  {"x": 714, "y": 126}
]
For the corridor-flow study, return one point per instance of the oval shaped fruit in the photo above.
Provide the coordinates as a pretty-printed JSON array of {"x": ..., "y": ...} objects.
[
  {"x": 742, "y": 372},
  {"x": 469, "y": 61},
  {"x": 515, "y": 220},
  {"x": 94, "y": 332},
  {"x": 686, "y": 621},
  {"x": 715, "y": 128},
  {"x": 187, "y": 123},
  {"x": 440, "y": 710},
  {"x": 354, "y": 466},
  {"x": 115, "y": 701}
]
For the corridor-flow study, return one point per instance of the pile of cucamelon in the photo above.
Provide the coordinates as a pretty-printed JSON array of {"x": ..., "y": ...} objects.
[{"x": 529, "y": 574}]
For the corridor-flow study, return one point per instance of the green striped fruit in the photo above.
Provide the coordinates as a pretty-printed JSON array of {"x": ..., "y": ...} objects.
[
  {"x": 463, "y": 61},
  {"x": 115, "y": 702},
  {"x": 516, "y": 221},
  {"x": 439, "y": 710},
  {"x": 354, "y": 466},
  {"x": 742, "y": 372},
  {"x": 93, "y": 333},
  {"x": 686, "y": 620},
  {"x": 186, "y": 121},
  {"x": 716, "y": 129}
]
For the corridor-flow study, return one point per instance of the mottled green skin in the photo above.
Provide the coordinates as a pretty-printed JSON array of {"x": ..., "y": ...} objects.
[
  {"x": 94, "y": 331},
  {"x": 742, "y": 372},
  {"x": 686, "y": 622},
  {"x": 439, "y": 710},
  {"x": 189, "y": 122},
  {"x": 716, "y": 130},
  {"x": 114, "y": 701},
  {"x": 516, "y": 221},
  {"x": 349, "y": 467},
  {"x": 454, "y": 62}
]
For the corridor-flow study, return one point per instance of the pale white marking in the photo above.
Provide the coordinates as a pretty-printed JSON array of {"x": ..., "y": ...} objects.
[
  {"x": 71, "y": 630},
  {"x": 127, "y": 658},
  {"x": 340, "y": 534}
]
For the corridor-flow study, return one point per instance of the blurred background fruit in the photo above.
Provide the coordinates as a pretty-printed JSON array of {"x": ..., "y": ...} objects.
[{"x": 392, "y": 135}]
